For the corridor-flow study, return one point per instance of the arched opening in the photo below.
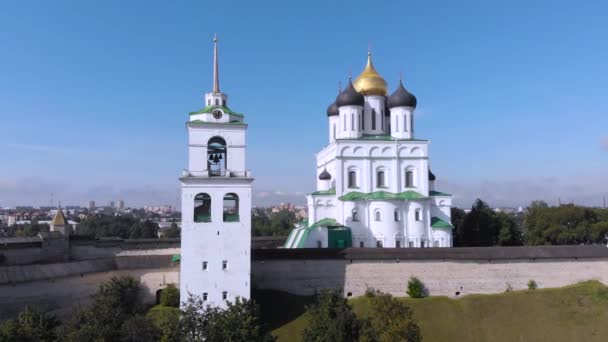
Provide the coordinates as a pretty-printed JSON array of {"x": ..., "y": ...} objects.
[
  {"x": 352, "y": 179},
  {"x": 216, "y": 156},
  {"x": 373, "y": 119},
  {"x": 377, "y": 216},
  {"x": 379, "y": 244},
  {"x": 202, "y": 208},
  {"x": 380, "y": 179},
  {"x": 396, "y": 214},
  {"x": 158, "y": 294},
  {"x": 217, "y": 102},
  {"x": 231, "y": 207},
  {"x": 417, "y": 214},
  {"x": 355, "y": 215},
  {"x": 409, "y": 179}
]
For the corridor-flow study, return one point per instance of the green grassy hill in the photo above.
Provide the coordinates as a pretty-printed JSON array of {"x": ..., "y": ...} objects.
[{"x": 573, "y": 313}]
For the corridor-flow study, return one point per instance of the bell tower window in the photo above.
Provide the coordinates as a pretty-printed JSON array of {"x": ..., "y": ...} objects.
[
  {"x": 409, "y": 179},
  {"x": 352, "y": 179},
  {"x": 231, "y": 208},
  {"x": 373, "y": 118},
  {"x": 216, "y": 157},
  {"x": 202, "y": 208}
]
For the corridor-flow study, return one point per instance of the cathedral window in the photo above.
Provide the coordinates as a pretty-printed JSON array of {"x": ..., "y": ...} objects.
[
  {"x": 405, "y": 123},
  {"x": 396, "y": 215},
  {"x": 205, "y": 296},
  {"x": 216, "y": 156},
  {"x": 202, "y": 208},
  {"x": 377, "y": 216},
  {"x": 223, "y": 102},
  {"x": 352, "y": 179},
  {"x": 411, "y": 244},
  {"x": 333, "y": 133},
  {"x": 355, "y": 215},
  {"x": 436, "y": 243},
  {"x": 380, "y": 179},
  {"x": 319, "y": 244},
  {"x": 344, "y": 121},
  {"x": 373, "y": 119},
  {"x": 396, "y": 124},
  {"x": 417, "y": 215},
  {"x": 225, "y": 295},
  {"x": 421, "y": 243},
  {"x": 204, "y": 265},
  {"x": 361, "y": 121},
  {"x": 208, "y": 102},
  {"x": 217, "y": 102},
  {"x": 224, "y": 265},
  {"x": 379, "y": 244},
  {"x": 231, "y": 208},
  {"x": 361, "y": 244},
  {"x": 397, "y": 244},
  {"x": 409, "y": 179}
]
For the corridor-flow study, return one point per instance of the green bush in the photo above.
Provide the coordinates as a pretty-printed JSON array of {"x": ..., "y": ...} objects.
[
  {"x": 509, "y": 288},
  {"x": 166, "y": 320},
  {"x": 170, "y": 296},
  {"x": 532, "y": 285},
  {"x": 371, "y": 292},
  {"x": 416, "y": 289}
]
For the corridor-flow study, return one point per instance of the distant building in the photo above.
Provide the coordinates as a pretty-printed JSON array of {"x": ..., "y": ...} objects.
[
  {"x": 92, "y": 205},
  {"x": 121, "y": 205},
  {"x": 112, "y": 204}
]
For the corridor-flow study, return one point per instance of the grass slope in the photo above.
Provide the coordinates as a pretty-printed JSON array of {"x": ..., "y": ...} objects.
[{"x": 573, "y": 313}]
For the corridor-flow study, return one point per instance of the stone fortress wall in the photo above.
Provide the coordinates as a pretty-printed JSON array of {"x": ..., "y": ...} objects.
[{"x": 61, "y": 286}]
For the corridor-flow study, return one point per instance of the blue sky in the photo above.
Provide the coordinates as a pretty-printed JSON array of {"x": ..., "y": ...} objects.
[{"x": 94, "y": 95}]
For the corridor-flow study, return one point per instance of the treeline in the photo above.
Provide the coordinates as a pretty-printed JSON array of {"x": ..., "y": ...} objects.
[
  {"x": 28, "y": 229},
  {"x": 126, "y": 227},
  {"x": 541, "y": 224},
  {"x": 265, "y": 223}
]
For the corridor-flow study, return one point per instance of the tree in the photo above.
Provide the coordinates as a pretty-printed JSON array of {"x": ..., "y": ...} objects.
[
  {"x": 138, "y": 329},
  {"x": 390, "y": 320},
  {"x": 144, "y": 230},
  {"x": 170, "y": 296},
  {"x": 30, "y": 325},
  {"x": 508, "y": 233},
  {"x": 457, "y": 217},
  {"x": 479, "y": 228},
  {"x": 240, "y": 321},
  {"x": 166, "y": 321},
  {"x": 114, "y": 303},
  {"x": 331, "y": 319},
  {"x": 416, "y": 289},
  {"x": 173, "y": 232},
  {"x": 564, "y": 225}
]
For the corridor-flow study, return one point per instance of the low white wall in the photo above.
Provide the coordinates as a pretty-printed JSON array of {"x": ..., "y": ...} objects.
[{"x": 445, "y": 278}]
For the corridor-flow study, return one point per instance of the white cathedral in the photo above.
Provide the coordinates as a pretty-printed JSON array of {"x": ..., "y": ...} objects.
[
  {"x": 374, "y": 184},
  {"x": 216, "y": 203}
]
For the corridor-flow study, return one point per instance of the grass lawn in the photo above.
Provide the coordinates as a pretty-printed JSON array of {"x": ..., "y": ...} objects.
[{"x": 573, "y": 313}]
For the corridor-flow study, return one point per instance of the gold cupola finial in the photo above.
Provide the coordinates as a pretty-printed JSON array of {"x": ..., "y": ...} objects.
[{"x": 369, "y": 82}]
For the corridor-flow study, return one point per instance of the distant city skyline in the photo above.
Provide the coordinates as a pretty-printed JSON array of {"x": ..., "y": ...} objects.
[{"x": 94, "y": 96}]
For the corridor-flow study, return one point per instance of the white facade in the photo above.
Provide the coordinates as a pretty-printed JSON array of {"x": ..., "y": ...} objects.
[
  {"x": 379, "y": 183},
  {"x": 216, "y": 204}
]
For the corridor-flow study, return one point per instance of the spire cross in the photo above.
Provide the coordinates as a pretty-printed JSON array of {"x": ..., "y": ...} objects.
[
  {"x": 369, "y": 48},
  {"x": 339, "y": 87},
  {"x": 216, "y": 76}
]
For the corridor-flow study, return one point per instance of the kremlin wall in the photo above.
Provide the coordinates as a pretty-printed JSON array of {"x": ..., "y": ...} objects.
[{"x": 60, "y": 286}]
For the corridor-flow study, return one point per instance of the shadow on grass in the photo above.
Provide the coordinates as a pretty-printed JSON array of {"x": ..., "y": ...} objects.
[{"x": 279, "y": 308}]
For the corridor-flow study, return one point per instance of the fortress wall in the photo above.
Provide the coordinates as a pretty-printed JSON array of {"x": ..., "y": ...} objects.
[
  {"x": 445, "y": 278},
  {"x": 62, "y": 295},
  {"x": 87, "y": 252}
]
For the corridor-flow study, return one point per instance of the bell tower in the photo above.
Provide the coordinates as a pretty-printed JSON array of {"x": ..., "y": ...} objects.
[{"x": 216, "y": 203}]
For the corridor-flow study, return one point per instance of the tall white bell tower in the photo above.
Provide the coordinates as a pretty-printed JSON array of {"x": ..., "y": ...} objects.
[{"x": 216, "y": 203}]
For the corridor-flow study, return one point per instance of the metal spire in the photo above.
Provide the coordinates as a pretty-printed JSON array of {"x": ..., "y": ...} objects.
[{"x": 216, "y": 76}]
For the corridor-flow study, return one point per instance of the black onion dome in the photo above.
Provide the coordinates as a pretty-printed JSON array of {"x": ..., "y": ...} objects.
[
  {"x": 350, "y": 97},
  {"x": 324, "y": 175},
  {"x": 402, "y": 98},
  {"x": 431, "y": 175},
  {"x": 332, "y": 109}
]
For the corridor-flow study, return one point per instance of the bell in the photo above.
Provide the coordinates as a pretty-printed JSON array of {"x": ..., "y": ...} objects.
[
  {"x": 221, "y": 157},
  {"x": 216, "y": 159},
  {"x": 210, "y": 157}
]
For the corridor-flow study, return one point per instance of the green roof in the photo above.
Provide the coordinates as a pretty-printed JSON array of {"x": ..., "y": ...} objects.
[
  {"x": 380, "y": 137},
  {"x": 381, "y": 195},
  {"x": 438, "y": 223},
  {"x": 201, "y": 122},
  {"x": 331, "y": 191},
  {"x": 209, "y": 109},
  {"x": 326, "y": 222},
  {"x": 176, "y": 258},
  {"x": 438, "y": 193}
]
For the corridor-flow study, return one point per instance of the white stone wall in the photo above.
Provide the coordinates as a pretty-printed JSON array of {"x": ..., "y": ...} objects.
[{"x": 442, "y": 278}]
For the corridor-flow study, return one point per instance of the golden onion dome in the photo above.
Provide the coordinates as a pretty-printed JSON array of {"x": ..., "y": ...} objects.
[{"x": 369, "y": 82}]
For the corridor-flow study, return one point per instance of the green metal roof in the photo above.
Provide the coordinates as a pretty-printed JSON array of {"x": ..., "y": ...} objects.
[
  {"x": 176, "y": 258},
  {"x": 329, "y": 192},
  {"x": 438, "y": 193},
  {"x": 381, "y": 195},
  {"x": 380, "y": 137},
  {"x": 438, "y": 223},
  {"x": 209, "y": 109},
  {"x": 201, "y": 122}
]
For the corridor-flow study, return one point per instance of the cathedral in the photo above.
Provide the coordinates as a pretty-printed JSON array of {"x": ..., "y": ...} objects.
[{"x": 374, "y": 184}]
